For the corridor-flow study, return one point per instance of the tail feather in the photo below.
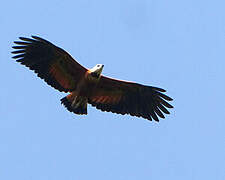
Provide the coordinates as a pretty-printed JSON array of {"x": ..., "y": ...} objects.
[{"x": 72, "y": 107}]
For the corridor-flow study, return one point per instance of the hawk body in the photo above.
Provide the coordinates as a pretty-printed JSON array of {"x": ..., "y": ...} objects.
[{"x": 88, "y": 86}]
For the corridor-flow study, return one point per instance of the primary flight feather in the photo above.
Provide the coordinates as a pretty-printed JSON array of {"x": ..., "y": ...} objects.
[{"x": 64, "y": 73}]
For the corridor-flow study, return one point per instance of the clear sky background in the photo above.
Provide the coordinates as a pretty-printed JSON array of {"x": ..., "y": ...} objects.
[{"x": 177, "y": 45}]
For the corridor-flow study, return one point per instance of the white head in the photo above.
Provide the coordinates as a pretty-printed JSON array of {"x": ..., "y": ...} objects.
[{"x": 96, "y": 70}]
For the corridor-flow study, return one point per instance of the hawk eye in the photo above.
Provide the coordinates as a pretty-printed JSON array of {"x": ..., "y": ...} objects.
[{"x": 98, "y": 65}]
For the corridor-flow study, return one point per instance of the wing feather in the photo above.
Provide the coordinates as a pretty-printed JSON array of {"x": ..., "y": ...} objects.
[
  {"x": 125, "y": 97},
  {"x": 50, "y": 62}
]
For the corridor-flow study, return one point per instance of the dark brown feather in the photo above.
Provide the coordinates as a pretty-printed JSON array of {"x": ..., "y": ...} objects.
[
  {"x": 50, "y": 62},
  {"x": 131, "y": 98}
]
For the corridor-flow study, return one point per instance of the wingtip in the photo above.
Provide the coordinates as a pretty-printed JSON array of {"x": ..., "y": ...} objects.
[
  {"x": 159, "y": 89},
  {"x": 26, "y": 39},
  {"x": 156, "y": 119},
  {"x": 171, "y": 106},
  {"x": 17, "y": 42},
  {"x": 21, "y": 43},
  {"x": 18, "y": 47},
  {"x": 22, "y": 38},
  {"x": 18, "y": 56},
  {"x": 36, "y": 37}
]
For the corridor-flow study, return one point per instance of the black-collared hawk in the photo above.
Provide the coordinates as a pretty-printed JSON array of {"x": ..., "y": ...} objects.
[{"x": 84, "y": 86}]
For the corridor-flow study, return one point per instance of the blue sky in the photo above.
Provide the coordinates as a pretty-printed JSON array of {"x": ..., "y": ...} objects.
[{"x": 176, "y": 45}]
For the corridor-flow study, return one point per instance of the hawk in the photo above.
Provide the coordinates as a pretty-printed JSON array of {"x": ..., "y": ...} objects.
[{"x": 87, "y": 86}]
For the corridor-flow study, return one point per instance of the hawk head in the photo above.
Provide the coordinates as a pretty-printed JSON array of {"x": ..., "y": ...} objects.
[{"x": 96, "y": 71}]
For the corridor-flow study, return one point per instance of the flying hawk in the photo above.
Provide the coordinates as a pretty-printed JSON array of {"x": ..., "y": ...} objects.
[{"x": 84, "y": 86}]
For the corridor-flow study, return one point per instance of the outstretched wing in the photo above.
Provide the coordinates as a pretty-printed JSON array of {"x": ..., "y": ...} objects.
[
  {"x": 50, "y": 62},
  {"x": 130, "y": 98}
]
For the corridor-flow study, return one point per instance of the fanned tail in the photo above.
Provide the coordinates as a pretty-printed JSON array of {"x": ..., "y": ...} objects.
[{"x": 75, "y": 104}]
